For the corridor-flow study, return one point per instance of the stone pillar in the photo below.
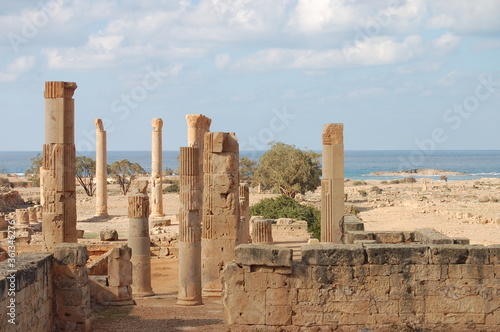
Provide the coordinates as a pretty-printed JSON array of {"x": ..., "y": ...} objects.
[
  {"x": 71, "y": 299},
  {"x": 22, "y": 217},
  {"x": 262, "y": 232},
  {"x": 244, "y": 231},
  {"x": 221, "y": 215},
  {"x": 156, "y": 170},
  {"x": 120, "y": 275},
  {"x": 101, "y": 170},
  {"x": 189, "y": 229},
  {"x": 32, "y": 214},
  {"x": 191, "y": 185},
  {"x": 332, "y": 184},
  {"x": 138, "y": 241},
  {"x": 58, "y": 166}
]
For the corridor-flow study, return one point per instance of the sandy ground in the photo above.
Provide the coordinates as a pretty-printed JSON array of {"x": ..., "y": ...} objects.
[{"x": 459, "y": 209}]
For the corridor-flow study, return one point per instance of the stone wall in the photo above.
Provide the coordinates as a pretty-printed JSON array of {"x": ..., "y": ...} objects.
[
  {"x": 375, "y": 287},
  {"x": 33, "y": 293}
]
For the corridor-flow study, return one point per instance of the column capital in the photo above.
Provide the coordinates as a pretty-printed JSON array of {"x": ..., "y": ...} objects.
[
  {"x": 333, "y": 133},
  {"x": 157, "y": 124},
  {"x": 198, "y": 121},
  {"x": 98, "y": 124},
  {"x": 59, "y": 89}
]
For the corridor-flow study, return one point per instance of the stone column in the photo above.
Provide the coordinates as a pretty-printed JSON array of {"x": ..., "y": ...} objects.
[
  {"x": 22, "y": 217},
  {"x": 156, "y": 170},
  {"x": 332, "y": 184},
  {"x": 221, "y": 215},
  {"x": 191, "y": 185},
  {"x": 32, "y": 214},
  {"x": 138, "y": 241},
  {"x": 58, "y": 166},
  {"x": 189, "y": 229},
  {"x": 101, "y": 170},
  {"x": 262, "y": 232},
  {"x": 244, "y": 231}
]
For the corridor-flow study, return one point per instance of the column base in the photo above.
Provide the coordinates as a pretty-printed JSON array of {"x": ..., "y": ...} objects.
[
  {"x": 156, "y": 215},
  {"x": 142, "y": 294},
  {"x": 188, "y": 302},
  {"x": 212, "y": 293},
  {"x": 101, "y": 214}
]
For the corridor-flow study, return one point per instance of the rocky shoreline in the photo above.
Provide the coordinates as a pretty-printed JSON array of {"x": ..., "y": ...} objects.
[{"x": 417, "y": 172}]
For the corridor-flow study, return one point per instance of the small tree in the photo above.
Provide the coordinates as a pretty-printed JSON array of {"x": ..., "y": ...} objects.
[
  {"x": 247, "y": 169},
  {"x": 124, "y": 173},
  {"x": 444, "y": 178},
  {"x": 33, "y": 173},
  {"x": 289, "y": 170},
  {"x": 85, "y": 173}
]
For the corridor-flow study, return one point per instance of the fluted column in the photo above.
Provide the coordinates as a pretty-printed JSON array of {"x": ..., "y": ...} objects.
[
  {"x": 262, "y": 232},
  {"x": 139, "y": 242},
  {"x": 58, "y": 167},
  {"x": 221, "y": 213},
  {"x": 156, "y": 170},
  {"x": 332, "y": 184},
  {"x": 244, "y": 231},
  {"x": 101, "y": 170},
  {"x": 189, "y": 229}
]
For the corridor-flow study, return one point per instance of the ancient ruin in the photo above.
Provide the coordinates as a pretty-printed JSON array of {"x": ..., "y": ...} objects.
[
  {"x": 332, "y": 184},
  {"x": 221, "y": 215},
  {"x": 157, "y": 170},
  {"x": 58, "y": 170},
  {"x": 262, "y": 231},
  {"x": 244, "y": 231},
  {"x": 101, "y": 170}
]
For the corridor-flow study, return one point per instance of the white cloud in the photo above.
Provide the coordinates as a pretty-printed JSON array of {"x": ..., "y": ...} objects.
[
  {"x": 444, "y": 44},
  {"x": 17, "y": 68},
  {"x": 488, "y": 44},
  {"x": 449, "y": 79}
]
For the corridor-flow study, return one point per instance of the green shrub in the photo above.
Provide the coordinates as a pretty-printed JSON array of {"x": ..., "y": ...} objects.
[
  {"x": 363, "y": 193},
  {"x": 286, "y": 207},
  {"x": 384, "y": 182},
  {"x": 376, "y": 189},
  {"x": 395, "y": 181},
  {"x": 410, "y": 179},
  {"x": 172, "y": 188},
  {"x": 359, "y": 183}
]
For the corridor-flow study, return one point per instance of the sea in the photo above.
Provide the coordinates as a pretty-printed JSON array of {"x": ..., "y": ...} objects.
[{"x": 358, "y": 165}]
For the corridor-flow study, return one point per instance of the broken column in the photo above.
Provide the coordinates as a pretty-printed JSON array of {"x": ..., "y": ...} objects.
[
  {"x": 189, "y": 229},
  {"x": 32, "y": 214},
  {"x": 221, "y": 215},
  {"x": 191, "y": 185},
  {"x": 101, "y": 170},
  {"x": 332, "y": 184},
  {"x": 22, "y": 217},
  {"x": 244, "y": 231},
  {"x": 262, "y": 232},
  {"x": 138, "y": 241},
  {"x": 58, "y": 166},
  {"x": 156, "y": 170}
]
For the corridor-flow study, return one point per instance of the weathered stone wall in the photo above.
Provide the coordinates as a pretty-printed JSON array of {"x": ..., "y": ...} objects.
[
  {"x": 377, "y": 287},
  {"x": 33, "y": 293}
]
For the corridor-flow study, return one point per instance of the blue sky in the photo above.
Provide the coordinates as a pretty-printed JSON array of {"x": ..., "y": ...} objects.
[{"x": 415, "y": 75}]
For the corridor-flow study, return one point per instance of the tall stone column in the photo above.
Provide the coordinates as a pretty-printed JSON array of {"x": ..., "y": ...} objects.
[
  {"x": 58, "y": 166},
  {"x": 101, "y": 170},
  {"x": 191, "y": 185},
  {"x": 139, "y": 242},
  {"x": 189, "y": 229},
  {"x": 221, "y": 215},
  {"x": 244, "y": 231},
  {"x": 332, "y": 184},
  {"x": 156, "y": 170}
]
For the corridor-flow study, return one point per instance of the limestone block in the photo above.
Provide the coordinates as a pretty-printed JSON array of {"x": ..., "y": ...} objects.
[
  {"x": 449, "y": 254},
  {"x": 333, "y": 254},
  {"x": 389, "y": 237},
  {"x": 431, "y": 236},
  {"x": 494, "y": 254},
  {"x": 109, "y": 235},
  {"x": 278, "y": 315},
  {"x": 71, "y": 254},
  {"x": 353, "y": 225},
  {"x": 251, "y": 254},
  {"x": 359, "y": 235},
  {"x": 397, "y": 254},
  {"x": 461, "y": 240}
]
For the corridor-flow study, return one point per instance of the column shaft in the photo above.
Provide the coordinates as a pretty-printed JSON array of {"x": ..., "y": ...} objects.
[
  {"x": 156, "y": 170},
  {"x": 101, "y": 166}
]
